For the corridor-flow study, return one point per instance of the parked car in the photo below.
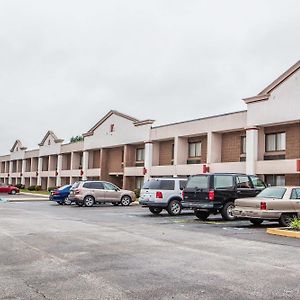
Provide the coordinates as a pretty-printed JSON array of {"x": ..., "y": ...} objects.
[
  {"x": 88, "y": 193},
  {"x": 281, "y": 204},
  {"x": 215, "y": 193},
  {"x": 8, "y": 189},
  {"x": 163, "y": 193},
  {"x": 61, "y": 195}
]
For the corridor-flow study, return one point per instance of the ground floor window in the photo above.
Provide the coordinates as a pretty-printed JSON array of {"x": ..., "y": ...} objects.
[
  {"x": 139, "y": 182},
  {"x": 275, "y": 180}
]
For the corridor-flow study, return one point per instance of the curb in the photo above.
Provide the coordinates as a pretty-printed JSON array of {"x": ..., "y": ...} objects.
[
  {"x": 27, "y": 200},
  {"x": 36, "y": 195},
  {"x": 284, "y": 232}
]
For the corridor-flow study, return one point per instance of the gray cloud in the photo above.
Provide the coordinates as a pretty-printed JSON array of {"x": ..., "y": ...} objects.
[{"x": 64, "y": 64}]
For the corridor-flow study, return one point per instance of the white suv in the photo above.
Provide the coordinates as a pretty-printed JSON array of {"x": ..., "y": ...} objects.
[{"x": 163, "y": 193}]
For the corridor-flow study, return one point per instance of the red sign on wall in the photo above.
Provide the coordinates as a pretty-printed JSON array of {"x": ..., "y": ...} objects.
[{"x": 298, "y": 165}]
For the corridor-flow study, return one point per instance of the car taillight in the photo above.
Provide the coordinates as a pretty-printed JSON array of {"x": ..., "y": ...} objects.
[
  {"x": 159, "y": 195},
  {"x": 211, "y": 195},
  {"x": 55, "y": 193},
  {"x": 263, "y": 205},
  {"x": 77, "y": 191},
  {"x": 182, "y": 194}
]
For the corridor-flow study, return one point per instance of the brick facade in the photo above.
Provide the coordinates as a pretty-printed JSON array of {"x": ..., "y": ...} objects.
[
  {"x": 231, "y": 146},
  {"x": 292, "y": 179},
  {"x": 165, "y": 152}
]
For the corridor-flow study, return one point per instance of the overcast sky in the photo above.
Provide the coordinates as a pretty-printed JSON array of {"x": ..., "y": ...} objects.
[{"x": 65, "y": 64}]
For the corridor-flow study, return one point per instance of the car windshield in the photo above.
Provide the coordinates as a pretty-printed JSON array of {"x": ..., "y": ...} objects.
[
  {"x": 272, "y": 192},
  {"x": 63, "y": 187},
  {"x": 200, "y": 182}
]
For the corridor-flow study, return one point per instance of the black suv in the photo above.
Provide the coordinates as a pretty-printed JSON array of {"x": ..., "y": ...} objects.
[{"x": 215, "y": 193}]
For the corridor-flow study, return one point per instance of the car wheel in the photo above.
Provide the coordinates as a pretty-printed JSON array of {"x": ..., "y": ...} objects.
[
  {"x": 89, "y": 201},
  {"x": 67, "y": 201},
  {"x": 79, "y": 203},
  {"x": 13, "y": 192},
  {"x": 125, "y": 201},
  {"x": 202, "y": 215},
  {"x": 155, "y": 210},
  {"x": 174, "y": 208},
  {"x": 115, "y": 203},
  {"x": 60, "y": 203},
  {"x": 285, "y": 219},
  {"x": 227, "y": 212},
  {"x": 256, "y": 221}
]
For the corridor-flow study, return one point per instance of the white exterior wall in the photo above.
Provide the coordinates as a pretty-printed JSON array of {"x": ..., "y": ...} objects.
[
  {"x": 282, "y": 106},
  {"x": 125, "y": 132}
]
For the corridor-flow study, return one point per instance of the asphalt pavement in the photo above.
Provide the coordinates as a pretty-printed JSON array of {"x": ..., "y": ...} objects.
[{"x": 57, "y": 252}]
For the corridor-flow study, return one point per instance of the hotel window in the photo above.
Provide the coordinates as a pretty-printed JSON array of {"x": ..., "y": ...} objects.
[
  {"x": 275, "y": 142},
  {"x": 243, "y": 144},
  {"x": 140, "y": 154},
  {"x": 275, "y": 180},
  {"x": 195, "y": 149}
]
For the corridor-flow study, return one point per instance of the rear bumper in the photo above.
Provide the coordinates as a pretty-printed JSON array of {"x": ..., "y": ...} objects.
[
  {"x": 201, "y": 205},
  {"x": 75, "y": 198},
  {"x": 256, "y": 214},
  {"x": 153, "y": 204}
]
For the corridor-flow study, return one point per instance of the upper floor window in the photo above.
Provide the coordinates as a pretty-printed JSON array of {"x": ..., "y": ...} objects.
[
  {"x": 140, "y": 154},
  {"x": 195, "y": 149},
  {"x": 49, "y": 142},
  {"x": 243, "y": 144},
  {"x": 275, "y": 141}
]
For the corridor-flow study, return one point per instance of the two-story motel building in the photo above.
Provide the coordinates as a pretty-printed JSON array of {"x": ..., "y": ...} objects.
[{"x": 263, "y": 140}]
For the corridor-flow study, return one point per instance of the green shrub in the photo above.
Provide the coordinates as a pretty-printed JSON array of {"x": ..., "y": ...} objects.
[
  {"x": 38, "y": 187},
  {"x": 31, "y": 188},
  {"x": 137, "y": 192},
  {"x": 51, "y": 188},
  {"x": 20, "y": 186},
  {"x": 295, "y": 224}
]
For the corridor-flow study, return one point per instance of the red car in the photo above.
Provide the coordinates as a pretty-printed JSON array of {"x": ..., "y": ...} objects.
[{"x": 9, "y": 189}]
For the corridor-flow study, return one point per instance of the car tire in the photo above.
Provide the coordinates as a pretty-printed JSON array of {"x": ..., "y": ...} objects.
[
  {"x": 79, "y": 203},
  {"x": 155, "y": 210},
  {"x": 256, "y": 222},
  {"x": 13, "y": 192},
  {"x": 226, "y": 212},
  {"x": 285, "y": 219},
  {"x": 125, "y": 201},
  {"x": 67, "y": 201},
  {"x": 174, "y": 208},
  {"x": 89, "y": 201},
  {"x": 115, "y": 203},
  {"x": 202, "y": 215},
  {"x": 60, "y": 203}
]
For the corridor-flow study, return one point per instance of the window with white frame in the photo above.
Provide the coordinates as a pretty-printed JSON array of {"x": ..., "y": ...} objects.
[
  {"x": 275, "y": 142},
  {"x": 194, "y": 149},
  {"x": 140, "y": 154}
]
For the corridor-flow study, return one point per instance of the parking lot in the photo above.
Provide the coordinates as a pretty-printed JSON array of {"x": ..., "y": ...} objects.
[{"x": 49, "y": 251}]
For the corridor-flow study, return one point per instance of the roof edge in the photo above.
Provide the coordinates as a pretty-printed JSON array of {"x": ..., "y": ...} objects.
[
  {"x": 281, "y": 78},
  {"x": 200, "y": 119},
  {"x": 257, "y": 98}
]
